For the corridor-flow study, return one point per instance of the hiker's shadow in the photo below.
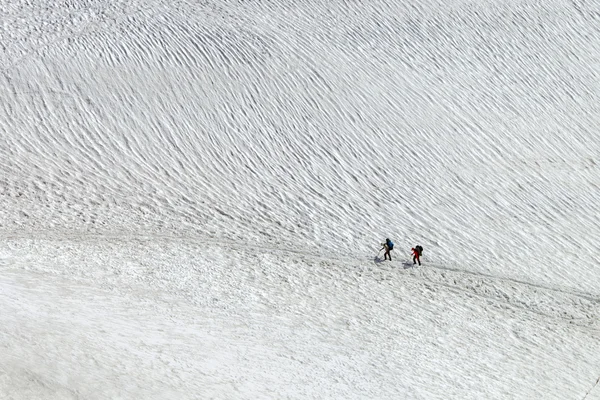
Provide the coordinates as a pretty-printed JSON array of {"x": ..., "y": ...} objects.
[
  {"x": 408, "y": 264},
  {"x": 378, "y": 260}
]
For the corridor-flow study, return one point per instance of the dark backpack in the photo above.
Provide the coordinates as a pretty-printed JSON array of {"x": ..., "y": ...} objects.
[{"x": 420, "y": 250}]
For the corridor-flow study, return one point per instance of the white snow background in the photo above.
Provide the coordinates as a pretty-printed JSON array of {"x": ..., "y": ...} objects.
[{"x": 193, "y": 193}]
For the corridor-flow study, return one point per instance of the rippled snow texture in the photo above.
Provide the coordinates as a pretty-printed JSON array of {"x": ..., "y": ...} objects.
[{"x": 262, "y": 150}]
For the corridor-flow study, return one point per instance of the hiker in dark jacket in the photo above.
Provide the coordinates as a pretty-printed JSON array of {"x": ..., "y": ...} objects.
[{"x": 388, "y": 246}]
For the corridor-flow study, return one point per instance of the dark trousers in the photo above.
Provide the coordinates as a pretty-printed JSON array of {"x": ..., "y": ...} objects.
[
  {"x": 417, "y": 259},
  {"x": 387, "y": 254}
]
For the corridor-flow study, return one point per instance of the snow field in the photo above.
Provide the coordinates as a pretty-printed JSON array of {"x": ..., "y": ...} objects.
[{"x": 192, "y": 194}]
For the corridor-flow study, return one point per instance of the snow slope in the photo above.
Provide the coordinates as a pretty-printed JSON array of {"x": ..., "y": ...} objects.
[{"x": 192, "y": 195}]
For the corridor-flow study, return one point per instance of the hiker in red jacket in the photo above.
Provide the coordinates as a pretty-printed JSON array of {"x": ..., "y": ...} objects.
[{"x": 416, "y": 255}]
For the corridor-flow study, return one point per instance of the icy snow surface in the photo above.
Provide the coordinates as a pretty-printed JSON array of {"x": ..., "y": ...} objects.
[{"x": 193, "y": 193}]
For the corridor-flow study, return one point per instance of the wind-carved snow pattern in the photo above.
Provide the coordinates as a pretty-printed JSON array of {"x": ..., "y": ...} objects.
[{"x": 221, "y": 173}]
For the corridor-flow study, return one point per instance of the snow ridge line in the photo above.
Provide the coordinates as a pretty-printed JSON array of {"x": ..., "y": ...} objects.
[
  {"x": 588, "y": 296},
  {"x": 578, "y": 308},
  {"x": 548, "y": 303},
  {"x": 581, "y": 309},
  {"x": 593, "y": 386}
]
